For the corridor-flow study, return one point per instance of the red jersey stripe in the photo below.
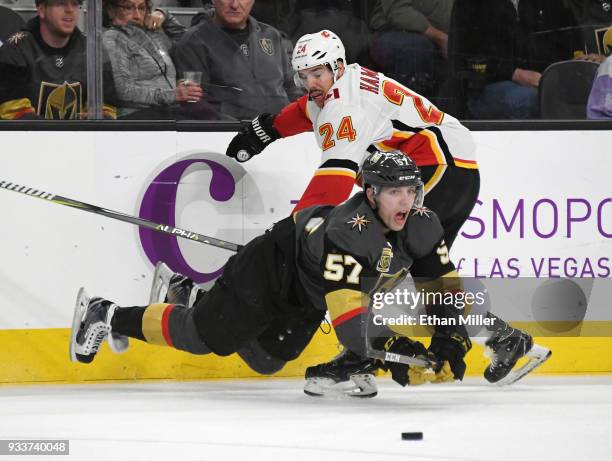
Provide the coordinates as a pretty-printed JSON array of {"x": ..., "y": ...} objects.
[
  {"x": 348, "y": 316},
  {"x": 165, "y": 324}
]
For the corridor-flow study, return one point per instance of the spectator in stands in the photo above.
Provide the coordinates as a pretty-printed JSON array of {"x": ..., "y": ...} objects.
[
  {"x": 341, "y": 16},
  {"x": 550, "y": 31},
  {"x": 486, "y": 46},
  {"x": 244, "y": 63},
  {"x": 600, "y": 99},
  {"x": 595, "y": 20},
  {"x": 591, "y": 12},
  {"x": 411, "y": 41},
  {"x": 138, "y": 42},
  {"x": 276, "y": 13},
  {"x": 10, "y": 22},
  {"x": 43, "y": 67},
  {"x": 181, "y": 3}
]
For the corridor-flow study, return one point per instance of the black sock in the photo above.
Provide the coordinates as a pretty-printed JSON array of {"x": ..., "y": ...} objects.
[{"x": 128, "y": 321}]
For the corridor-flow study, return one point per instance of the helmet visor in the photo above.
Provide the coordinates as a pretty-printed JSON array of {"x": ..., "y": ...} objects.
[{"x": 320, "y": 75}]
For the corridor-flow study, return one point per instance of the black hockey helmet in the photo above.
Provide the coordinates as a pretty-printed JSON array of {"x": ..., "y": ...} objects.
[{"x": 394, "y": 169}]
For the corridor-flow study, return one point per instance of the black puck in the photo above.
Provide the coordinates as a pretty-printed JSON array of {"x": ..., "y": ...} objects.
[{"x": 412, "y": 436}]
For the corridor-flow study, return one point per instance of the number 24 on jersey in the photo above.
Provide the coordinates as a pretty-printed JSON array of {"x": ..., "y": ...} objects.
[{"x": 345, "y": 131}]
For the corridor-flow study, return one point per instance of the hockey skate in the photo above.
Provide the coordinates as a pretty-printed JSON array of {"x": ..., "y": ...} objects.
[
  {"x": 91, "y": 325},
  {"x": 347, "y": 374},
  {"x": 505, "y": 348},
  {"x": 172, "y": 288}
]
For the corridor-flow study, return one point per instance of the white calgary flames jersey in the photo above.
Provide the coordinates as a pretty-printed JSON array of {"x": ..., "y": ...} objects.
[{"x": 366, "y": 107}]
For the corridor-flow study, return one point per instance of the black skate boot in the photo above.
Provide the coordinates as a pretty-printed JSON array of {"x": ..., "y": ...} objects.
[
  {"x": 91, "y": 324},
  {"x": 172, "y": 288},
  {"x": 347, "y": 374},
  {"x": 505, "y": 348}
]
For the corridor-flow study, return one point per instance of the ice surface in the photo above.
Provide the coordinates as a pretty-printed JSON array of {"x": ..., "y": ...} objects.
[{"x": 539, "y": 418}]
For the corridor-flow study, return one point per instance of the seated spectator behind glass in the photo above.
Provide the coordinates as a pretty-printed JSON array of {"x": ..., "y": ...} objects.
[
  {"x": 600, "y": 99},
  {"x": 594, "y": 18},
  {"x": 43, "y": 71},
  {"x": 245, "y": 66},
  {"x": 341, "y": 16},
  {"x": 276, "y": 13},
  {"x": 486, "y": 44},
  {"x": 181, "y": 3},
  {"x": 550, "y": 31},
  {"x": 411, "y": 41},
  {"x": 144, "y": 74}
]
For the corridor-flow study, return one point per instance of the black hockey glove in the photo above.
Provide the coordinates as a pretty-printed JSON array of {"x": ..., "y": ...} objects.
[
  {"x": 406, "y": 374},
  {"x": 451, "y": 348},
  {"x": 253, "y": 138}
]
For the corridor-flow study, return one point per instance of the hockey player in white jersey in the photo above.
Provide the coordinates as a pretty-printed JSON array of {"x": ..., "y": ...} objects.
[{"x": 351, "y": 109}]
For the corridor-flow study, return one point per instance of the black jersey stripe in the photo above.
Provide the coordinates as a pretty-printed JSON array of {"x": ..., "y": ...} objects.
[
  {"x": 340, "y": 163},
  {"x": 398, "y": 125}
]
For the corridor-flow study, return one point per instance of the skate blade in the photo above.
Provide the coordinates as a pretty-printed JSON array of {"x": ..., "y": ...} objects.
[
  {"x": 80, "y": 307},
  {"x": 537, "y": 356},
  {"x": 161, "y": 282},
  {"x": 359, "y": 386}
]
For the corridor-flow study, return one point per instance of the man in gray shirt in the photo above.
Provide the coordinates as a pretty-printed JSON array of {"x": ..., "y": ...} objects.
[{"x": 245, "y": 66}]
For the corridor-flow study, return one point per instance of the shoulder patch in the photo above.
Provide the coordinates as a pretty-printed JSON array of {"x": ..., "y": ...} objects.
[
  {"x": 358, "y": 222},
  {"x": 17, "y": 37},
  {"x": 423, "y": 231},
  {"x": 422, "y": 211}
]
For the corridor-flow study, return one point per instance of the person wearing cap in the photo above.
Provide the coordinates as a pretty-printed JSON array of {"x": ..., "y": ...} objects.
[{"x": 43, "y": 68}]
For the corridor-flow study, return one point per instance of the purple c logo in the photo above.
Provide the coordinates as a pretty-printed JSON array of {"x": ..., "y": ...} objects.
[{"x": 159, "y": 205}]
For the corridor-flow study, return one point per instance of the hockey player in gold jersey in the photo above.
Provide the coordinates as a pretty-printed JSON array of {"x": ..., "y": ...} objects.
[{"x": 274, "y": 293}]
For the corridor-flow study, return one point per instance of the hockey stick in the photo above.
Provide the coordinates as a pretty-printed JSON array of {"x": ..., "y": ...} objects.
[
  {"x": 390, "y": 356},
  {"x": 381, "y": 287},
  {"x": 397, "y": 358},
  {"x": 163, "y": 228}
]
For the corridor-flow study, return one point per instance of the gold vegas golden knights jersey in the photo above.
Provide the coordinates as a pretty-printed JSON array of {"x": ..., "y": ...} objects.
[
  {"x": 343, "y": 256},
  {"x": 39, "y": 81}
]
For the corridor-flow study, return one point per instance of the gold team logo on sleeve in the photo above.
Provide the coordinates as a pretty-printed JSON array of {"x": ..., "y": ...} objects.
[{"x": 384, "y": 262}]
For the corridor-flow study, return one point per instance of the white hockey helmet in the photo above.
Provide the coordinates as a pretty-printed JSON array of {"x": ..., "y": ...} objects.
[{"x": 313, "y": 50}]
